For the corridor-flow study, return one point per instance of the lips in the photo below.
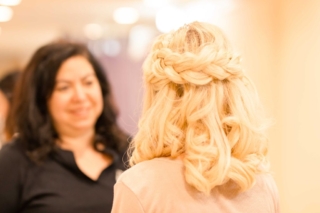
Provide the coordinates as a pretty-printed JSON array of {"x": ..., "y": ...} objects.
[{"x": 80, "y": 112}]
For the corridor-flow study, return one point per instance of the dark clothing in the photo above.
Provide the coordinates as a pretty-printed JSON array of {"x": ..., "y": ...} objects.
[{"x": 55, "y": 186}]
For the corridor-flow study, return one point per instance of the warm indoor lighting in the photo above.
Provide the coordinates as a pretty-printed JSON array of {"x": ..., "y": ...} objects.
[
  {"x": 140, "y": 37},
  {"x": 125, "y": 15},
  {"x": 10, "y": 2},
  {"x": 169, "y": 18},
  {"x": 93, "y": 31},
  {"x": 156, "y": 3},
  {"x": 208, "y": 10},
  {"x": 5, "y": 13},
  {"x": 111, "y": 47}
]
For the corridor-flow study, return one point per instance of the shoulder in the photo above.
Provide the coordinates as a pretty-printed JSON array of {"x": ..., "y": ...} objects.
[
  {"x": 13, "y": 146},
  {"x": 265, "y": 192},
  {"x": 13, "y": 161},
  {"x": 152, "y": 179},
  {"x": 151, "y": 171},
  {"x": 151, "y": 167},
  {"x": 12, "y": 175},
  {"x": 267, "y": 183},
  {"x": 12, "y": 152}
]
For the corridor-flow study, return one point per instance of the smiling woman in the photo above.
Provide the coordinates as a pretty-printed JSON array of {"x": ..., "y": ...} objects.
[
  {"x": 69, "y": 146},
  {"x": 76, "y": 100}
]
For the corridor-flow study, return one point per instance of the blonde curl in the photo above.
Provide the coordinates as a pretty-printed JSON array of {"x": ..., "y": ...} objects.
[{"x": 199, "y": 104}]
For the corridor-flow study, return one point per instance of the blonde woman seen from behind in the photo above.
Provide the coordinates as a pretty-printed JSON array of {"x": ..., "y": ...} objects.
[{"x": 201, "y": 144}]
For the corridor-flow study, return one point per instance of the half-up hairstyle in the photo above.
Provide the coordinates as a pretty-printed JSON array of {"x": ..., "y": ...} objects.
[{"x": 199, "y": 104}]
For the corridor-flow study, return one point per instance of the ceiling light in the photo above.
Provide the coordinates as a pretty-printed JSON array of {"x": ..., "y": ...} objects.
[
  {"x": 93, "y": 31},
  {"x": 10, "y": 2},
  {"x": 5, "y": 13},
  {"x": 125, "y": 15}
]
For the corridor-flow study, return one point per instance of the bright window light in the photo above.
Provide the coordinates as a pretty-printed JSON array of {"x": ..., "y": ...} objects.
[
  {"x": 5, "y": 13},
  {"x": 10, "y": 2},
  {"x": 125, "y": 15}
]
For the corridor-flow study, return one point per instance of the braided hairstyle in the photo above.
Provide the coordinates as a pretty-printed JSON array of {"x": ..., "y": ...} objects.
[{"x": 199, "y": 104}]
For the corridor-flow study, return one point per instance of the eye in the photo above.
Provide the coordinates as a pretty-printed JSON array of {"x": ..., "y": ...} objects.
[
  {"x": 62, "y": 88},
  {"x": 88, "y": 83}
]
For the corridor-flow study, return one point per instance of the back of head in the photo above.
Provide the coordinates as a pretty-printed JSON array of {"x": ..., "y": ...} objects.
[
  {"x": 8, "y": 82},
  {"x": 199, "y": 104},
  {"x": 7, "y": 86}
]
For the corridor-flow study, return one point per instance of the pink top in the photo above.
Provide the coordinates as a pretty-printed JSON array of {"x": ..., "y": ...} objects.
[{"x": 158, "y": 186}]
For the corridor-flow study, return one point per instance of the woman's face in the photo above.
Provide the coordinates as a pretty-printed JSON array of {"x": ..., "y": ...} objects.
[{"x": 76, "y": 101}]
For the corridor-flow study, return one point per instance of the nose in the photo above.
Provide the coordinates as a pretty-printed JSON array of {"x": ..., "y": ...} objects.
[{"x": 79, "y": 93}]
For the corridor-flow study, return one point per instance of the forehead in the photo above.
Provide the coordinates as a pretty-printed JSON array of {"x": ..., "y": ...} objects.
[{"x": 75, "y": 67}]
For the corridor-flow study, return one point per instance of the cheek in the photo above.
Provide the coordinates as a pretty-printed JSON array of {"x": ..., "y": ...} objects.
[{"x": 56, "y": 106}]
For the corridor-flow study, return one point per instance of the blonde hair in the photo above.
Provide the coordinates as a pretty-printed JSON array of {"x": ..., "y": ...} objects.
[{"x": 200, "y": 104}]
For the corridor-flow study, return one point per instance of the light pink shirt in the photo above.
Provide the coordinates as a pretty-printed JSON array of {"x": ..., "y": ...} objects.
[{"x": 158, "y": 186}]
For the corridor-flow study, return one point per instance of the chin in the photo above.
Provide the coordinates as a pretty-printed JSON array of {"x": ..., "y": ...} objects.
[{"x": 83, "y": 125}]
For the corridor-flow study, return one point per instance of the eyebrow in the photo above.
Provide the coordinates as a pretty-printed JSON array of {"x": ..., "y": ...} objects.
[{"x": 66, "y": 81}]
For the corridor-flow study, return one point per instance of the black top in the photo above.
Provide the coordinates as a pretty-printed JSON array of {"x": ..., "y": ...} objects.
[{"x": 56, "y": 186}]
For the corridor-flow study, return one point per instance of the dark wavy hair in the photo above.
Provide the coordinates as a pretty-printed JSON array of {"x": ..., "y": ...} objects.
[
  {"x": 30, "y": 114},
  {"x": 8, "y": 82}
]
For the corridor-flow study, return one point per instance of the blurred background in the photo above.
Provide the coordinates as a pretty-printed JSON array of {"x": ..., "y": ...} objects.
[{"x": 278, "y": 40}]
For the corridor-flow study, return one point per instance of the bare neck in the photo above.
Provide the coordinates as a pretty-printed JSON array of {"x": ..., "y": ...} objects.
[{"x": 76, "y": 143}]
